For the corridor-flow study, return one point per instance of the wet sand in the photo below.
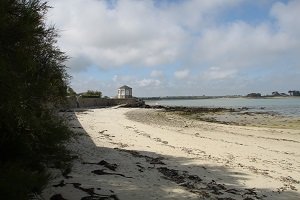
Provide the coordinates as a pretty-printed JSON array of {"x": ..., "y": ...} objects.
[
  {"x": 248, "y": 118},
  {"x": 152, "y": 154},
  {"x": 239, "y": 116}
]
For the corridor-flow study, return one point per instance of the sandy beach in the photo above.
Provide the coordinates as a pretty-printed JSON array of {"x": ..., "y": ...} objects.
[{"x": 136, "y": 153}]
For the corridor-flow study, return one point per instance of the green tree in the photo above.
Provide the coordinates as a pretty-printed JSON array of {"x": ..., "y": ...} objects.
[
  {"x": 70, "y": 92},
  {"x": 93, "y": 93},
  {"x": 33, "y": 82}
]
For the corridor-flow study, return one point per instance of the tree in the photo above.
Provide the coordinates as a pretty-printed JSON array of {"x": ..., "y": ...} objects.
[
  {"x": 254, "y": 95},
  {"x": 92, "y": 93},
  {"x": 71, "y": 92},
  {"x": 294, "y": 93},
  {"x": 33, "y": 82}
]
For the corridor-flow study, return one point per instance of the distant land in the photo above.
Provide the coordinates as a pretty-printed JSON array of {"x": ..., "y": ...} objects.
[
  {"x": 292, "y": 93},
  {"x": 187, "y": 97}
]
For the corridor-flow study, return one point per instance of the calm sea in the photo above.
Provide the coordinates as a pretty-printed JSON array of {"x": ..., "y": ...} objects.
[{"x": 284, "y": 106}]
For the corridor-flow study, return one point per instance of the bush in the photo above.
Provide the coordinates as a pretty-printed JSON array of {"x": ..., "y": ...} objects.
[
  {"x": 70, "y": 92},
  {"x": 33, "y": 82},
  {"x": 18, "y": 182},
  {"x": 92, "y": 94}
]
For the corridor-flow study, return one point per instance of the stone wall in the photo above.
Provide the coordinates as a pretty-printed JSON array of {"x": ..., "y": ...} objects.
[{"x": 99, "y": 102}]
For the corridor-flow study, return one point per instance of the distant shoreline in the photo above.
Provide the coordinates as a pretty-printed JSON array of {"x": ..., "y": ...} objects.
[
  {"x": 242, "y": 116},
  {"x": 211, "y": 97}
]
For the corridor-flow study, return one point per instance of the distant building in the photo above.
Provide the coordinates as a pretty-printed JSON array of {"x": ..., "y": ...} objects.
[
  {"x": 276, "y": 94},
  {"x": 124, "y": 92},
  {"x": 294, "y": 93},
  {"x": 284, "y": 94}
]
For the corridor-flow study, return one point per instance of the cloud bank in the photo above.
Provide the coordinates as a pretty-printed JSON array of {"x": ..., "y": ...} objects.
[{"x": 215, "y": 47}]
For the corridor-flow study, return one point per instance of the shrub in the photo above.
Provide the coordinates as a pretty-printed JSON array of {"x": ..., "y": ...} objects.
[
  {"x": 92, "y": 94},
  {"x": 33, "y": 82}
]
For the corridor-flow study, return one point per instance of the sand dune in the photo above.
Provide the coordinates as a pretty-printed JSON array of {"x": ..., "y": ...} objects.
[{"x": 144, "y": 154}]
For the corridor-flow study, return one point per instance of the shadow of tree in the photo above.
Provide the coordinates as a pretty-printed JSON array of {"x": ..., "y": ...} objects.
[{"x": 118, "y": 173}]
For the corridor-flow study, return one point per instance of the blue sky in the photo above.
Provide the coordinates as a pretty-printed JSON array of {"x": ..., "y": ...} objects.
[{"x": 180, "y": 47}]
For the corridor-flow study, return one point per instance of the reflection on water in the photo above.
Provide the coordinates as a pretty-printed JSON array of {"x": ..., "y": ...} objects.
[{"x": 284, "y": 106}]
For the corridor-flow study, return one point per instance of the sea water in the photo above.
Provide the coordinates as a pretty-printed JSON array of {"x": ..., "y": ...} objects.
[{"x": 289, "y": 106}]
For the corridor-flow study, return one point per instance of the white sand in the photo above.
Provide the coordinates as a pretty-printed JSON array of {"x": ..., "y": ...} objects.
[{"x": 199, "y": 160}]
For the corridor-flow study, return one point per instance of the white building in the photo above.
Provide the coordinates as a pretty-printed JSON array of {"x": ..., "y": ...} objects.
[{"x": 124, "y": 92}]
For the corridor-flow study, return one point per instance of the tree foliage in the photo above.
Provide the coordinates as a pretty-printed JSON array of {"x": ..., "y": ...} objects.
[
  {"x": 92, "y": 93},
  {"x": 71, "y": 92},
  {"x": 33, "y": 82}
]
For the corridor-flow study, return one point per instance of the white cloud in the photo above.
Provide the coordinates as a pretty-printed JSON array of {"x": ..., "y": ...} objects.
[
  {"x": 218, "y": 73},
  {"x": 286, "y": 16},
  {"x": 123, "y": 79},
  {"x": 241, "y": 45},
  {"x": 134, "y": 33},
  {"x": 140, "y": 34},
  {"x": 156, "y": 73},
  {"x": 115, "y": 78},
  {"x": 148, "y": 83},
  {"x": 182, "y": 74}
]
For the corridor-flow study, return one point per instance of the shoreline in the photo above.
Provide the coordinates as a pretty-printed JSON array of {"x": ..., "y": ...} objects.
[
  {"x": 212, "y": 97},
  {"x": 242, "y": 116},
  {"x": 136, "y": 153}
]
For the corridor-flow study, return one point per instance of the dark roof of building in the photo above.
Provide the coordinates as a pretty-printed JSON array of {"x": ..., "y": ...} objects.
[{"x": 125, "y": 87}]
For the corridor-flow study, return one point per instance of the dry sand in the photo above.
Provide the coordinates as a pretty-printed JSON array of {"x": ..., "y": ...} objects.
[{"x": 146, "y": 154}]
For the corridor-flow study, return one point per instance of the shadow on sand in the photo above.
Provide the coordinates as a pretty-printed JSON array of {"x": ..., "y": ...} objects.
[{"x": 119, "y": 173}]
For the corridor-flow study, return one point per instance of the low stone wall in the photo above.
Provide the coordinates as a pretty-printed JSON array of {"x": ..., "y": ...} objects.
[{"x": 99, "y": 102}]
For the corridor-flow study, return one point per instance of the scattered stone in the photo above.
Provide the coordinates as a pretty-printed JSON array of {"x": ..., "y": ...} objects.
[
  {"x": 157, "y": 161},
  {"x": 101, "y": 197},
  {"x": 66, "y": 173},
  {"x": 194, "y": 178},
  {"x": 61, "y": 184},
  {"x": 102, "y": 172},
  {"x": 232, "y": 191},
  {"x": 171, "y": 174},
  {"x": 104, "y": 163},
  {"x": 102, "y": 131},
  {"x": 141, "y": 168},
  {"x": 250, "y": 192},
  {"x": 89, "y": 191},
  {"x": 248, "y": 198},
  {"x": 149, "y": 159},
  {"x": 112, "y": 167}
]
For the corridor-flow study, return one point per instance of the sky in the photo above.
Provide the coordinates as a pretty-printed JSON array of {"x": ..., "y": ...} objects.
[{"x": 180, "y": 47}]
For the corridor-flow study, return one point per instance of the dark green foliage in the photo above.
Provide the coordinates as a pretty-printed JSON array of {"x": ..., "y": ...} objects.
[
  {"x": 19, "y": 183},
  {"x": 33, "y": 82},
  {"x": 254, "y": 95},
  {"x": 294, "y": 93},
  {"x": 71, "y": 92},
  {"x": 92, "y": 94}
]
